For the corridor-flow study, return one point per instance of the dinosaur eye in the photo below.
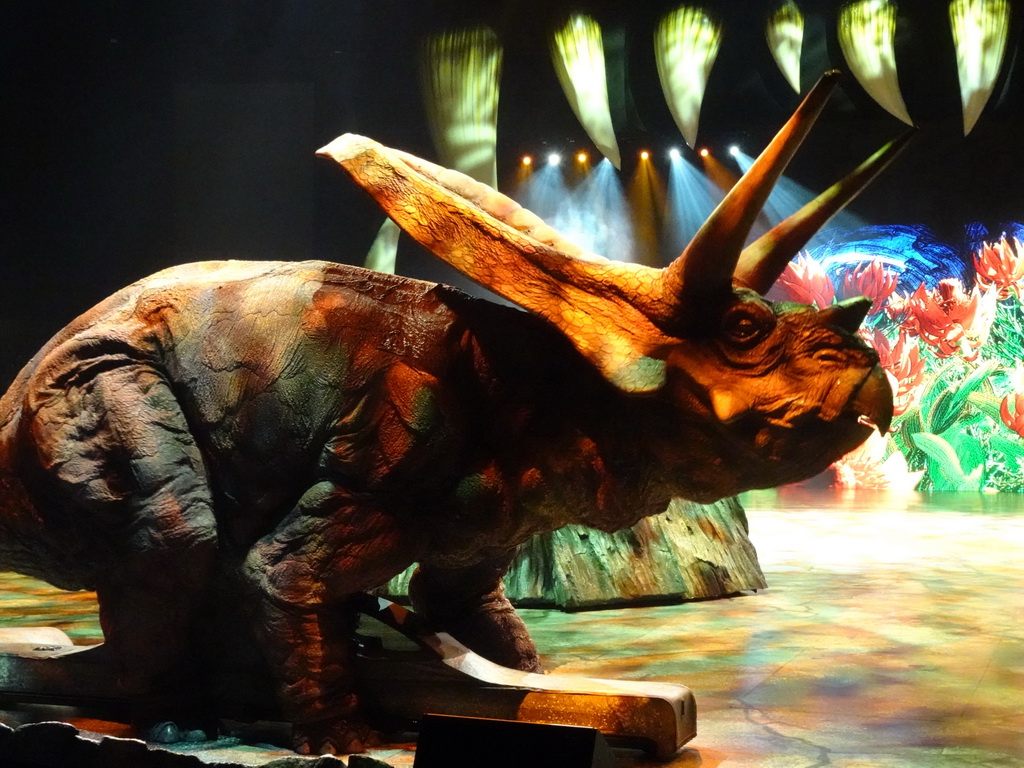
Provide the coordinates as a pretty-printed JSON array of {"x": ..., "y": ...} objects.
[{"x": 744, "y": 325}]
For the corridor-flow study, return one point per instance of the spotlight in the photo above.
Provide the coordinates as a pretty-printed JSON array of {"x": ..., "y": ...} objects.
[
  {"x": 581, "y": 157},
  {"x": 644, "y": 155},
  {"x": 674, "y": 153},
  {"x": 527, "y": 160},
  {"x": 554, "y": 158},
  {"x": 704, "y": 152},
  {"x": 734, "y": 151}
]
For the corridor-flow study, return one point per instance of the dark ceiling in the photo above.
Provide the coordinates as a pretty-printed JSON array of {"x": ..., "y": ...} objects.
[{"x": 139, "y": 134}]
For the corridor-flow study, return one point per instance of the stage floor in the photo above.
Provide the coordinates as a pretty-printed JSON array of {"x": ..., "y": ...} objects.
[{"x": 891, "y": 634}]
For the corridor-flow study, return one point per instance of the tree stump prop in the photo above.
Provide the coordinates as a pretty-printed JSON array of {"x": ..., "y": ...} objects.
[{"x": 690, "y": 551}]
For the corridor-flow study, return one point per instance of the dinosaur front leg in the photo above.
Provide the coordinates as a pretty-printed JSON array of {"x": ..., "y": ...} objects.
[
  {"x": 304, "y": 574},
  {"x": 469, "y": 603}
]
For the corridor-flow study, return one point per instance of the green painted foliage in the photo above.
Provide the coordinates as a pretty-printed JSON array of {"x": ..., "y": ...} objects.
[{"x": 945, "y": 468}]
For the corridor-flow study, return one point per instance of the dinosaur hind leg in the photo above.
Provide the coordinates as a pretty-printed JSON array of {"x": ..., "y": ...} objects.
[{"x": 129, "y": 487}]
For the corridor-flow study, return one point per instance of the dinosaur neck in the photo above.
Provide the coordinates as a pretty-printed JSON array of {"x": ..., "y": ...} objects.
[
  {"x": 606, "y": 459},
  {"x": 565, "y": 442}
]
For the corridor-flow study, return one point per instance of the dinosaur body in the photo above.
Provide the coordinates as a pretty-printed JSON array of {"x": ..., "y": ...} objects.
[
  {"x": 288, "y": 373},
  {"x": 213, "y": 408},
  {"x": 282, "y": 436}
]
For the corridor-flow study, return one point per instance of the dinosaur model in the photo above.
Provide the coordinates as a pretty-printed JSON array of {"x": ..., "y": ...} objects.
[{"x": 271, "y": 439}]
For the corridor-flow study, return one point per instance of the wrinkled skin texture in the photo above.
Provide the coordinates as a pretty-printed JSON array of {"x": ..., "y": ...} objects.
[{"x": 284, "y": 436}]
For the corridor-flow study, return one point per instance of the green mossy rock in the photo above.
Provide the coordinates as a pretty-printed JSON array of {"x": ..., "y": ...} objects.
[{"x": 689, "y": 552}]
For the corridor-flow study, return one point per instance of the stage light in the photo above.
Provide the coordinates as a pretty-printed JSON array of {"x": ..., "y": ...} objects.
[
  {"x": 686, "y": 43},
  {"x": 674, "y": 153},
  {"x": 554, "y": 158},
  {"x": 734, "y": 151},
  {"x": 581, "y": 157},
  {"x": 645, "y": 155},
  {"x": 785, "y": 33},
  {"x": 867, "y": 30},
  {"x": 577, "y": 51},
  {"x": 980, "y": 29},
  {"x": 460, "y": 71},
  {"x": 527, "y": 160},
  {"x": 704, "y": 152}
]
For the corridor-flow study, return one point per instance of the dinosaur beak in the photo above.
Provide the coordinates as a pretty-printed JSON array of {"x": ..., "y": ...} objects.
[{"x": 873, "y": 401}]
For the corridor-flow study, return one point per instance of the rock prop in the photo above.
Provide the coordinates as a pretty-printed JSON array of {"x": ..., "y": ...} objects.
[
  {"x": 267, "y": 440},
  {"x": 689, "y": 552}
]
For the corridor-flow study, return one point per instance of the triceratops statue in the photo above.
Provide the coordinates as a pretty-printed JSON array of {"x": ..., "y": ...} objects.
[{"x": 283, "y": 436}]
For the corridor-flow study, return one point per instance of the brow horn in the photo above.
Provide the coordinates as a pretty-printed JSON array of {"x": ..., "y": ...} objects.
[
  {"x": 704, "y": 271},
  {"x": 764, "y": 260}
]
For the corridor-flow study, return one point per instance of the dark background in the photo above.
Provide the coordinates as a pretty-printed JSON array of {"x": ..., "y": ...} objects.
[{"x": 136, "y": 135}]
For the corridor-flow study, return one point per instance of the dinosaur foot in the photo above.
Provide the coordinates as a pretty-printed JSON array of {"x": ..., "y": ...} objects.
[{"x": 334, "y": 737}]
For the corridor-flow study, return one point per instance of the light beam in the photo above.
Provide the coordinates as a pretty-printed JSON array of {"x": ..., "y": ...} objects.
[
  {"x": 593, "y": 214},
  {"x": 647, "y": 200},
  {"x": 786, "y": 198},
  {"x": 691, "y": 199}
]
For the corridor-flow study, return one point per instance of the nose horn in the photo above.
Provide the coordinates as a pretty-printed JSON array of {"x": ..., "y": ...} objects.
[{"x": 848, "y": 314}]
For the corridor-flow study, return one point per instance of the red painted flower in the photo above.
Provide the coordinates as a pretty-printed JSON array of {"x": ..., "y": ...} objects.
[
  {"x": 903, "y": 364},
  {"x": 1001, "y": 266},
  {"x": 949, "y": 319},
  {"x": 1015, "y": 419},
  {"x": 898, "y": 309},
  {"x": 805, "y": 282},
  {"x": 873, "y": 280}
]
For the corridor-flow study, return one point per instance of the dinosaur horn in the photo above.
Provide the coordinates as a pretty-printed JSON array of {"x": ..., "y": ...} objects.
[
  {"x": 763, "y": 261},
  {"x": 598, "y": 304},
  {"x": 705, "y": 269}
]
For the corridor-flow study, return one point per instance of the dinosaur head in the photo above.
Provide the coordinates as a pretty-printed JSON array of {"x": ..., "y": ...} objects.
[
  {"x": 778, "y": 392},
  {"x": 786, "y": 388}
]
